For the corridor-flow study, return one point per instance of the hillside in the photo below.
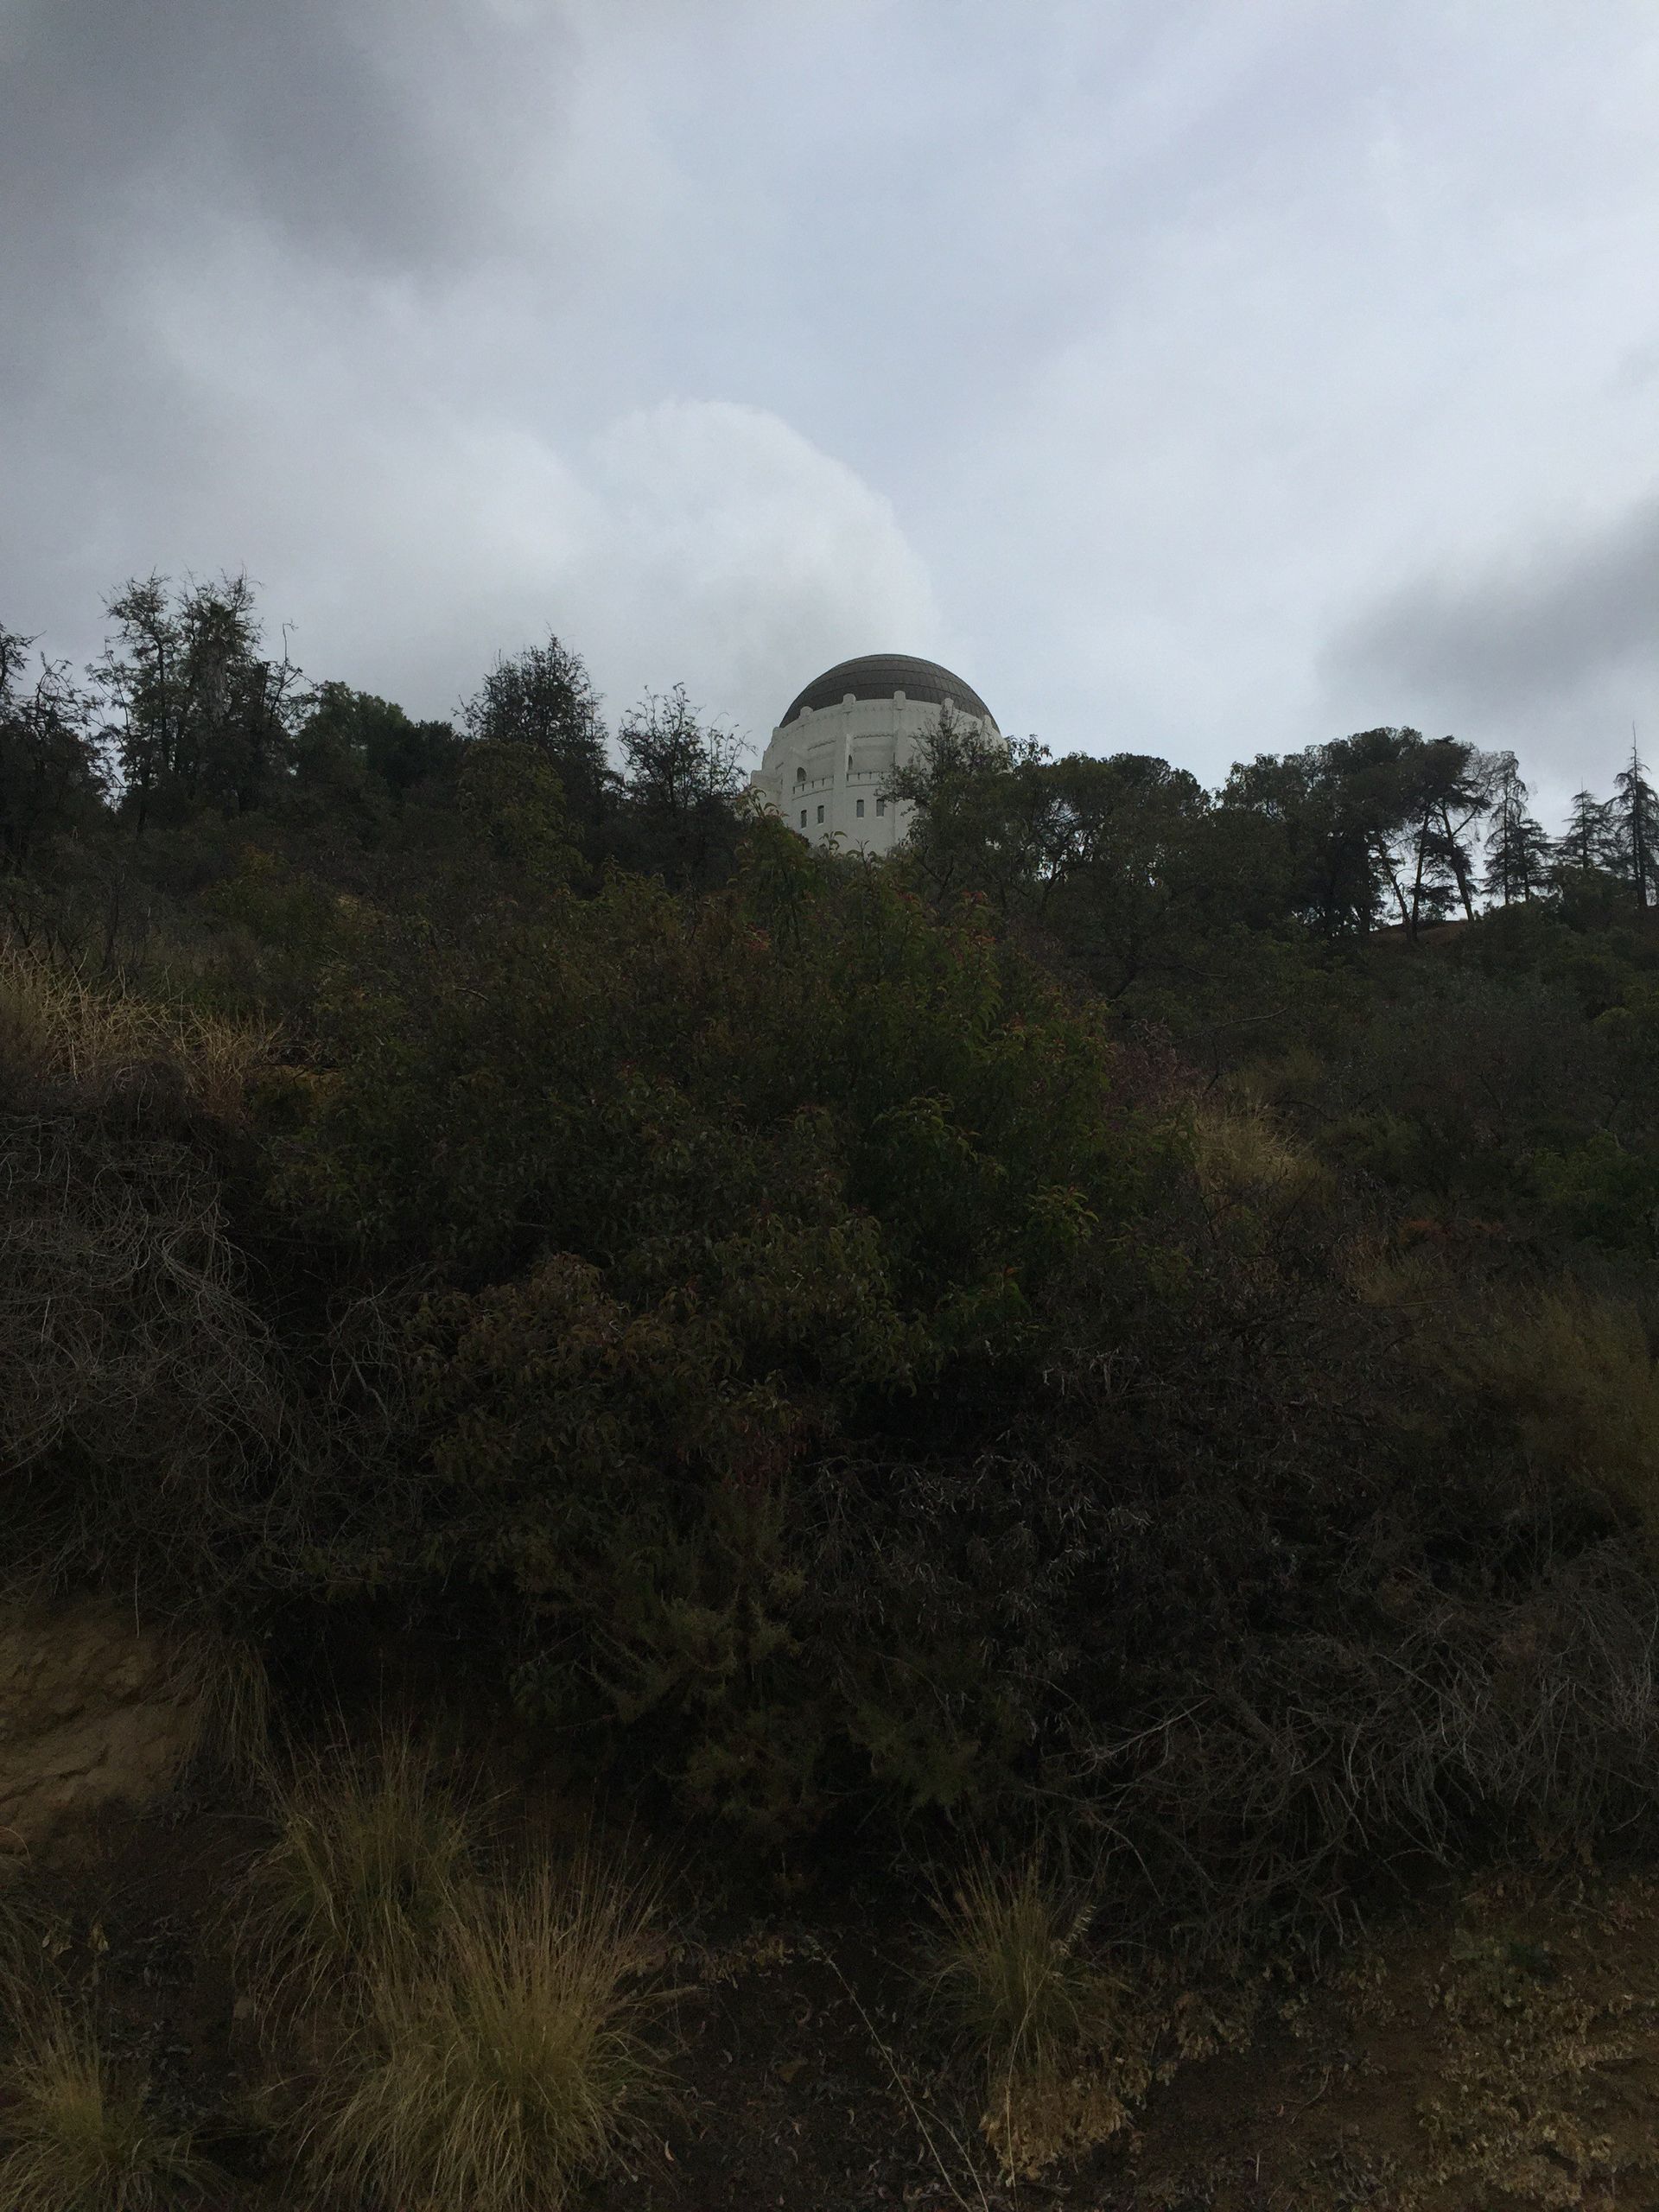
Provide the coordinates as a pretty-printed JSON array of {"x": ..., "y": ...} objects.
[{"x": 806, "y": 1531}]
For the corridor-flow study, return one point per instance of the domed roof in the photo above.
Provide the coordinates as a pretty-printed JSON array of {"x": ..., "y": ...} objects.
[{"x": 878, "y": 676}]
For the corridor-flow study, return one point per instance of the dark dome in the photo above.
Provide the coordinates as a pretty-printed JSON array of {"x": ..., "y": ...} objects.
[{"x": 878, "y": 676}]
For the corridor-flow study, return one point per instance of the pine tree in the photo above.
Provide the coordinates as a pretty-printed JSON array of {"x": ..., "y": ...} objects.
[
  {"x": 1518, "y": 850},
  {"x": 1634, "y": 829},
  {"x": 1585, "y": 844}
]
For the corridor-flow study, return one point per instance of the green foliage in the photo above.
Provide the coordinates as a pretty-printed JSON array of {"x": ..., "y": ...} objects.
[
  {"x": 543, "y": 698},
  {"x": 855, "y": 1346},
  {"x": 198, "y": 716},
  {"x": 1575, "y": 1373},
  {"x": 705, "y": 1190},
  {"x": 1600, "y": 1193},
  {"x": 52, "y": 777}
]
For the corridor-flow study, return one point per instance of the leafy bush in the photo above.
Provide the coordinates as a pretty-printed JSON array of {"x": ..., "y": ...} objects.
[
  {"x": 143, "y": 1399},
  {"x": 698, "y": 1192}
]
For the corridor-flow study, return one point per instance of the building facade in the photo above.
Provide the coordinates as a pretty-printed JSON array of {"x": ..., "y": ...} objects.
[{"x": 829, "y": 758}]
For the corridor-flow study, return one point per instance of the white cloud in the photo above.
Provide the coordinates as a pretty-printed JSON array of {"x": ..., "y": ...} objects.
[
  {"x": 1195, "y": 346},
  {"x": 697, "y": 542},
  {"x": 731, "y": 553}
]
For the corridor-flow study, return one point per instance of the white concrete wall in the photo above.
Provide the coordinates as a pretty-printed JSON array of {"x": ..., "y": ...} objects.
[{"x": 823, "y": 771}]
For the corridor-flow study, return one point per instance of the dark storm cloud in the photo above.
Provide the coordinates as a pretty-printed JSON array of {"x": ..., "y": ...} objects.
[
  {"x": 113, "y": 114},
  {"x": 1576, "y": 626}
]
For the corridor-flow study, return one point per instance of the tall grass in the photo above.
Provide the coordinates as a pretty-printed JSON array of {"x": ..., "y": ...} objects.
[
  {"x": 515, "y": 2062},
  {"x": 59, "y": 1034},
  {"x": 1240, "y": 1155},
  {"x": 75, "y": 2136},
  {"x": 1575, "y": 1373},
  {"x": 1008, "y": 1972},
  {"x": 373, "y": 1861}
]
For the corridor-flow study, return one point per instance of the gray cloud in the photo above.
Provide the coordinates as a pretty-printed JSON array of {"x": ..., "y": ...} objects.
[
  {"x": 1559, "y": 648},
  {"x": 1129, "y": 356},
  {"x": 113, "y": 117}
]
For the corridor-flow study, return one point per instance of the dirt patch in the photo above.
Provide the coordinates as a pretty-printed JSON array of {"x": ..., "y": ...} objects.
[
  {"x": 94, "y": 1711},
  {"x": 1499, "y": 2050}
]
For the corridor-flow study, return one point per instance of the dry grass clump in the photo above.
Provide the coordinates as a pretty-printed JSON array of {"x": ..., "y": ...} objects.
[
  {"x": 1009, "y": 1974},
  {"x": 1242, "y": 1157},
  {"x": 513, "y": 2064},
  {"x": 1576, "y": 1373},
  {"x": 60, "y": 1038},
  {"x": 225, "y": 1678},
  {"x": 372, "y": 1862},
  {"x": 76, "y": 2136}
]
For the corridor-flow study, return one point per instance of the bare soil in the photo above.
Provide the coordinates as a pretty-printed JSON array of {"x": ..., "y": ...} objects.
[{"x": 1497, "y": 2047}]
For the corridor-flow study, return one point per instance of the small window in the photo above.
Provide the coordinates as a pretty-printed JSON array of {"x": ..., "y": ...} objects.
[
  {"x": 800, "y": 775},
  {"x": 820, "y": 813},
  {"x": 881, "y": 806},
  {"x": 860, "y": 810},
  {"x": 802, "y": 818}
]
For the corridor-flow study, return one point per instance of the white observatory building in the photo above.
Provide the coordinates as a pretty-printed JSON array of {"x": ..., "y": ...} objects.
[{"x": 823, "y": 769}]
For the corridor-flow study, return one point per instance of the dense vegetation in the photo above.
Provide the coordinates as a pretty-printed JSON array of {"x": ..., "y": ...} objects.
[{"x": 1116, "y": 1330}]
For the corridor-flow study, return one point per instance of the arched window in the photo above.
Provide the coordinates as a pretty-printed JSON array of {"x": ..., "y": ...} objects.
[{"x": 800, "y": 775}]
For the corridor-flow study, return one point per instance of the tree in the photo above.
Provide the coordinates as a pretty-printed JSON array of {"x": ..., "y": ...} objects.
[
  {"x": 1348, "y": 816},
  {"x": 1124, "y": 867},
  {"x": 53, "y": 781},
  {"x": 1633, "y": 843},
  {"x": 1585, "y": 846},
  {"x": 353, "y": 749},
  {"x": 680, "y": 793},
  {"x": 1454, "y": 786},
  {"x": 980, "y": 812},
  {"x": 545, "y": 697},
  {"x": 1517, "y": 848},
  {"x": 199, "y": 715}
]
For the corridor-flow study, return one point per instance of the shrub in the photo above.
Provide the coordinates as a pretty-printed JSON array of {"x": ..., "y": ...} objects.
[
  {"x": 371, "y": 1862},
  {"x": 1239, "y": 1156},
  {"x": 77, "y": 2137},
  {"x": 513, "y": 2063},
  {"x": 143, "y": 1399}
]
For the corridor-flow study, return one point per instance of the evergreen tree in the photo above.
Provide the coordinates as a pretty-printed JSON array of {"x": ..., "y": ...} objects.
[
  {"x": 1634, "y": 829},
  {"x": 1585, "y": 846},
  {"x": 1517, "y": 848},
  {"x": 1451, "y": 785}
]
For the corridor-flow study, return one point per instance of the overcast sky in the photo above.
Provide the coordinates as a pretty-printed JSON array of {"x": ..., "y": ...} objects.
[{"x": 1199, "y": 377}]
